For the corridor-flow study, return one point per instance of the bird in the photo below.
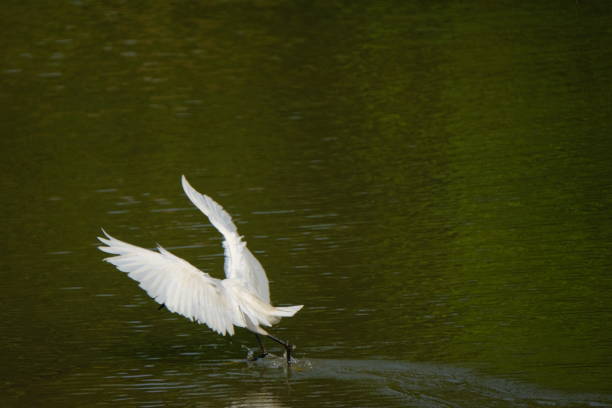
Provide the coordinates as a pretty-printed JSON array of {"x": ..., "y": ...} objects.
[{"x": 242, "y": 299}]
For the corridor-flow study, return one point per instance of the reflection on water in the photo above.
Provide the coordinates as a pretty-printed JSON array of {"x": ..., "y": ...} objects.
[
  {"x": 257, "y": 400},
  {"x": 237, "y": 383},
  {"x": 432, "y": 181}
]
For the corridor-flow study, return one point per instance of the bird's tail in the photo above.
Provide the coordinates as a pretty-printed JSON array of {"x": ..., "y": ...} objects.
[{"x": 286, "y": 311}]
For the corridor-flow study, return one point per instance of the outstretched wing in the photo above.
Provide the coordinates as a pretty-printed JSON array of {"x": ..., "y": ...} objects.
[
  {"x": 174, "y": 282},
  {"x": 240, "y": 263}
]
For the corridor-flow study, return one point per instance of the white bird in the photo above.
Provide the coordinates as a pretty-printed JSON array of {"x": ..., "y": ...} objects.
[{"x": 242, "y": 299}]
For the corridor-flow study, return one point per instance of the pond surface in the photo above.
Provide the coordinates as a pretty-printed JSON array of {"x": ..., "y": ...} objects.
[{"x": 432, "y": 182}]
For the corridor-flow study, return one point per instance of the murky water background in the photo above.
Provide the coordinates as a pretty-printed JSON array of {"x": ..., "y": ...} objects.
[{"x": 433, "y": 182}]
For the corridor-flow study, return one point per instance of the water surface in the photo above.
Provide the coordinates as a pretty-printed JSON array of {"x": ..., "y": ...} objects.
[{"x": 431, "y": 181}]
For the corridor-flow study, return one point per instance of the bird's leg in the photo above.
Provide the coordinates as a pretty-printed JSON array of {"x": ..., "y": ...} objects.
[
  {"x": 261, "y": 346},
  {"x": 288, "y": 347}
]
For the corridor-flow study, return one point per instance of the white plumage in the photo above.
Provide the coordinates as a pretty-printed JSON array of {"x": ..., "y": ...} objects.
[{"x": 242, "y": 299}]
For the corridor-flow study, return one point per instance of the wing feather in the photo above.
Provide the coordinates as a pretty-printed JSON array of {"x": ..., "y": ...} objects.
[
  {"x": 172, "y": 281},
  {"x": 215, "y": 213},
  {"x": 240, "y": 263}
]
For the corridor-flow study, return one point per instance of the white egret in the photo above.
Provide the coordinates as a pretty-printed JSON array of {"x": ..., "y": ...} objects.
[{"x": 242, "y": 299}]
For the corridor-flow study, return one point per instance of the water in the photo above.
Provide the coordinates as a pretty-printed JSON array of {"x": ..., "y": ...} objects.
[{"x": 431, "y": 181}]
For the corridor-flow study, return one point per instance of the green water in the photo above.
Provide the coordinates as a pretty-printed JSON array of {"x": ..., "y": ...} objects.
[{"x": 432, "y": 181}]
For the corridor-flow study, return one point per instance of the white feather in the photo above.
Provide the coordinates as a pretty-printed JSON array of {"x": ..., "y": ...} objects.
[
  {"x": 241, "y": 300},
  {"x": 240, "y": 263}
]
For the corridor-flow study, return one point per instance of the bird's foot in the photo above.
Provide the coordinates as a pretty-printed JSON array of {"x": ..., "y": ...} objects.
[
  {"x": 288, "y": 351},
  {"x": 256, "y": 355}
]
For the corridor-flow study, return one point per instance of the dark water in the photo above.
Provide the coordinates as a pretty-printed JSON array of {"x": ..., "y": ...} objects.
[{"x": 433, "y": 182}]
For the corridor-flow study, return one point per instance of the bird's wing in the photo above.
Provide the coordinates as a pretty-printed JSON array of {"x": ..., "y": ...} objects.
[
  {"x": 174, "y": 282},
  {"x": 240, "y": 263}
]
